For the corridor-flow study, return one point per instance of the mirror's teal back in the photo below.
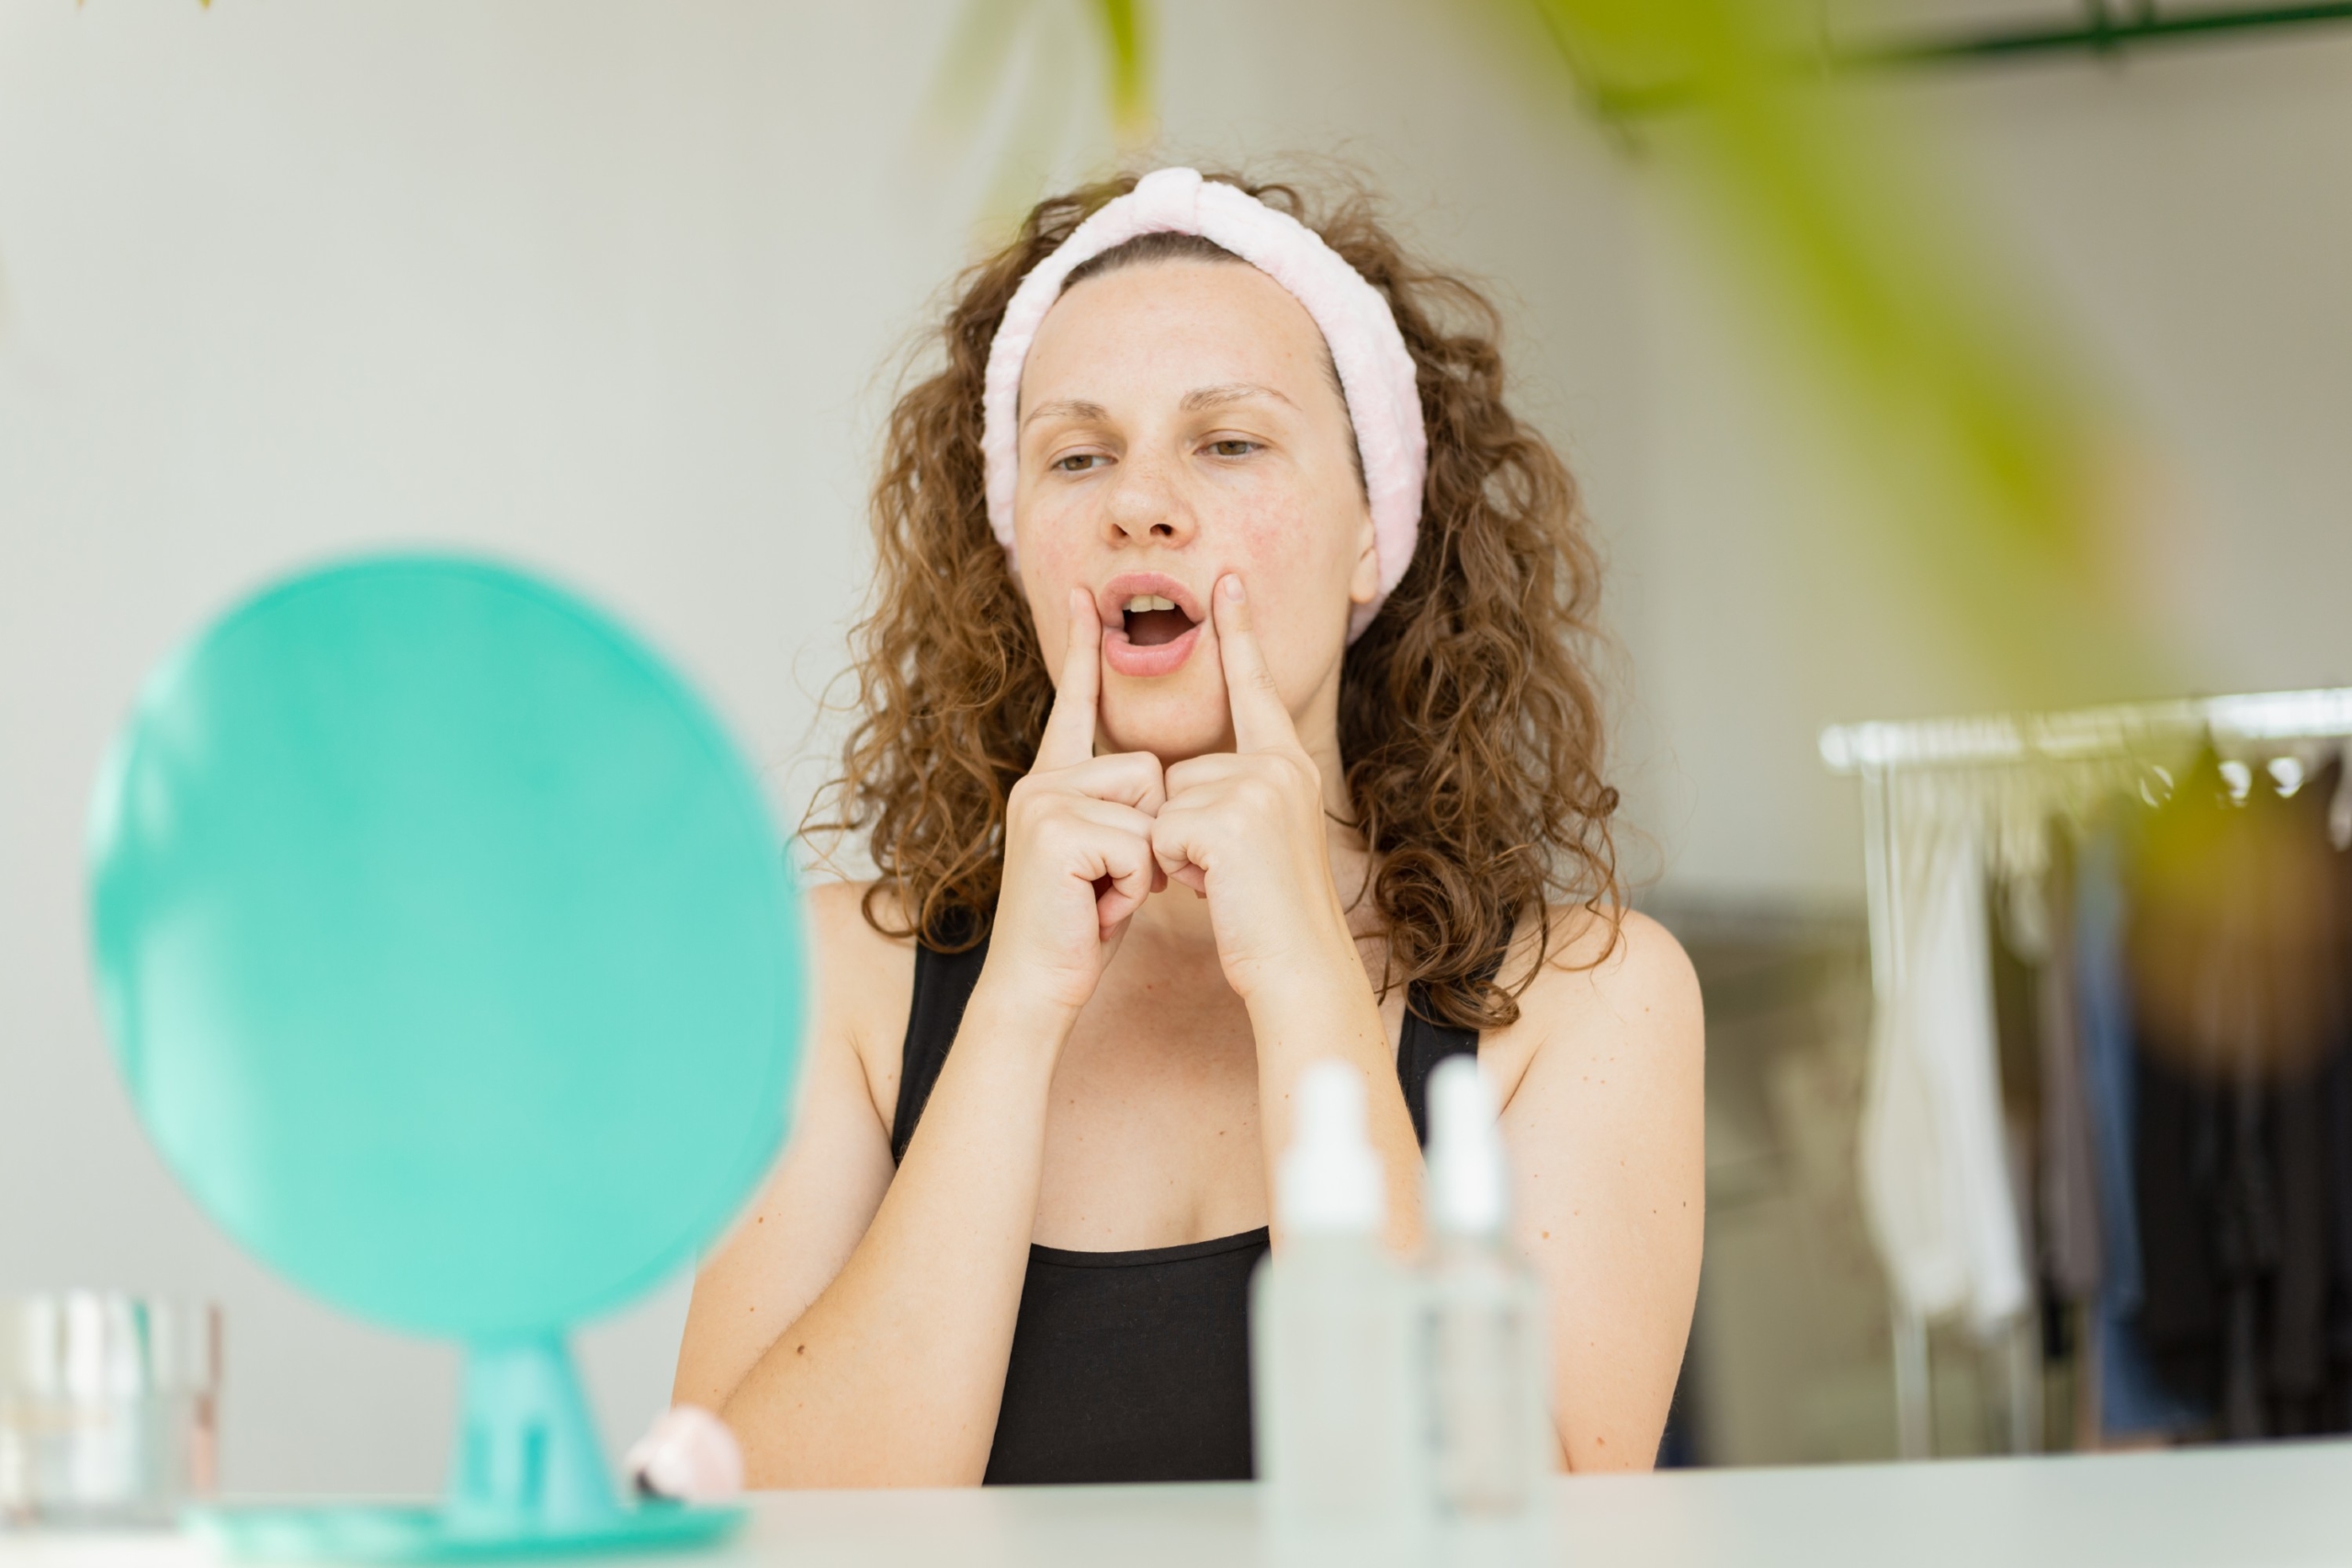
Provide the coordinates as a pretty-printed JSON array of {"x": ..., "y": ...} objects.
[{"x": 446, "y": 946}]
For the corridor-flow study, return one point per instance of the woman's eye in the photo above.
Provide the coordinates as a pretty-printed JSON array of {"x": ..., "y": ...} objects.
[
  {"x": 1078, "y": 462},
  {"x": 1233, "y": 447}
]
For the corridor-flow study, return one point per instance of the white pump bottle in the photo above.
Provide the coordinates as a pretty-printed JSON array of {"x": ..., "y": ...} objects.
[{"x": 1341, "y": 1418}]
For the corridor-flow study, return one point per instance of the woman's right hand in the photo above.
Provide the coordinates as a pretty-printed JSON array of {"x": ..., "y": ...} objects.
[{"x": 1078, "y": 859}]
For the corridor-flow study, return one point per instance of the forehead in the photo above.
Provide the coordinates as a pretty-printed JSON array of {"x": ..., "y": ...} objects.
[{"x": 1176, "y": 325}]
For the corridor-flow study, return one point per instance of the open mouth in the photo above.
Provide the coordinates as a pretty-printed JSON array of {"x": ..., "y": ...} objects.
[
  {"x": 1152, "y": 624},
  {"x": 1150, "y": 620}
]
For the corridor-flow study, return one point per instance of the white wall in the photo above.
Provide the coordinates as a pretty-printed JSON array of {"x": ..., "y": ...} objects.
[{"x": 604, "y": 286}]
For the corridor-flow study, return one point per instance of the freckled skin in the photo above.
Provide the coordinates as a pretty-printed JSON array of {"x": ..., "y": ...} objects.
[{"x": 1289, "y": 517}]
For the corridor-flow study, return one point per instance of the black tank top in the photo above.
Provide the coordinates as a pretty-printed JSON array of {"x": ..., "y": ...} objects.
[{"x": 1126, "y": 1366}]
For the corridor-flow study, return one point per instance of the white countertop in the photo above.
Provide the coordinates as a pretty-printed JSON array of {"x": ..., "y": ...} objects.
[{"x": 2250, "y": 1507}]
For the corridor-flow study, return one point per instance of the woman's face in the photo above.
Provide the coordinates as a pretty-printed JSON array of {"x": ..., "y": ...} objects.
[{"x": 1180, "y": 420}]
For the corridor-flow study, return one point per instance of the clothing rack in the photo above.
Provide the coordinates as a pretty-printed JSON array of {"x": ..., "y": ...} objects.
[
  {"x": 2136, "y": 735},
  {"x": 2124, "y": 728},
  {"x": 2107, "y": 30}
]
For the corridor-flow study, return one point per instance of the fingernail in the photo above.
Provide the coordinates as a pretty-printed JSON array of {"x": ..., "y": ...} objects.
[{"x": 1233, "y": 590}]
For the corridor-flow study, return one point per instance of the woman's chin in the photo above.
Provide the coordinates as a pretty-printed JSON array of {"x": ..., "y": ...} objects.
[{"x": 1170, "y": 730}]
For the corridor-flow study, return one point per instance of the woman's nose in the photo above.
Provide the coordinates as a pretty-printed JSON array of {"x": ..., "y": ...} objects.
[{"x": 1146, "y": 506}]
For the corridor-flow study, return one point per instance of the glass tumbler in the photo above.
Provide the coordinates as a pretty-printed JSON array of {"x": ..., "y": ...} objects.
[{"x": 108, "y": 1408}]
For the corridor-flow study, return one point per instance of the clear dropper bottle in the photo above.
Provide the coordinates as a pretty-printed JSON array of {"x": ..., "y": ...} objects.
[{"x": 1485, "y": 1334}]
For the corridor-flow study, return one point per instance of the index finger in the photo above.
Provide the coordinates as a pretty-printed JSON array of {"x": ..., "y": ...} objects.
[
  {"x": 1070, "y": 728},
  {"x": 1261, "y": 722}
]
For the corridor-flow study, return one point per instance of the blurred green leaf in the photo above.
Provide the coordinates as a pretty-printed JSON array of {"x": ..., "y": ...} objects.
[
  {"x": 1032, "y": 49},
  {"x": 976, "y": 63},
  {"x": 1126, "y": 43},
  {"x": 1989, "y": 460}
]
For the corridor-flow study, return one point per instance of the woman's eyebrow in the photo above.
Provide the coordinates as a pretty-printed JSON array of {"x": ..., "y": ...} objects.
[
  {"x": 1066, "y": 408},
  {"x": 1231, "y": 392}
]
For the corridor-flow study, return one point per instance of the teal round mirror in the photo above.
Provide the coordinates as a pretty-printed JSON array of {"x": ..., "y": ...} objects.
[{"x": 449, "y": 955}]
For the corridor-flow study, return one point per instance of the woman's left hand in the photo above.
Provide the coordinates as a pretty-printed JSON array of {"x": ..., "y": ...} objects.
[{"x": 1246, "y": 827}]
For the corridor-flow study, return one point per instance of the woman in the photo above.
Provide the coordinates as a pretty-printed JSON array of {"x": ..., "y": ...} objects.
[{"x": 1221, "y": 713}]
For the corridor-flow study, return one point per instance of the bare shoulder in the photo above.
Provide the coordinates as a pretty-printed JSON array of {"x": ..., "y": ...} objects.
[
  {"x": 846, "y": 945},
  {"x": 1612, "y": 986},
  {"x": 1605, "y": 1117},
  {"x": 864, "y": 981},
  {"x": 1621, "y": 960},
  {"x": 837, "y": 916}
]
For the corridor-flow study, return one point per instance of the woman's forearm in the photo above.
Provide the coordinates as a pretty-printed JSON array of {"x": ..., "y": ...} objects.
[
  {"x": 1329, "y": 1012},
  {"x": 893, "y": 1374}
]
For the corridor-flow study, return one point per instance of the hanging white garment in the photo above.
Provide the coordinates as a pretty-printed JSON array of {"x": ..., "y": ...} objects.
[{"x": 1935, "y": 1169}]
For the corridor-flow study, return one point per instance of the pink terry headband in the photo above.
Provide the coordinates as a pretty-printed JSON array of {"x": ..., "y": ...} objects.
[{"x": 1376, "y": 373}]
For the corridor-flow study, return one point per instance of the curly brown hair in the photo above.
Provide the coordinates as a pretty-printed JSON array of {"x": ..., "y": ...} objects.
[{"x": 1470, "y": 724}]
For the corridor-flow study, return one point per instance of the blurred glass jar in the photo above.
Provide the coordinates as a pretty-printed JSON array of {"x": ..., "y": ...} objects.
[{"x": 108, "y": 1408}]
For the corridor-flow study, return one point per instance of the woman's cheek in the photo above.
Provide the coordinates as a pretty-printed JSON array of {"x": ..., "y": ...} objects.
[
  {"x": 1298, "y": 586},
  {"x": 1051, "y": 561},
  {"x": 1290, "y": 550},
  {"x": 1274, "y": 539}
]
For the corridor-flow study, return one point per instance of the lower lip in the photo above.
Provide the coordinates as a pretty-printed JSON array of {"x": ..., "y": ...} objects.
[{"x": 1126, "y": 657}]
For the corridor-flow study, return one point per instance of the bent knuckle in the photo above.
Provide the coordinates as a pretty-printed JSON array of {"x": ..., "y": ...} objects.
[{"x": 1260, "y": 792}]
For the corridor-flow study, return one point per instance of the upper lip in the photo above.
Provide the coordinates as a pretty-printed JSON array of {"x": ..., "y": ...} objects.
[{"x": 1111, "y": 601}]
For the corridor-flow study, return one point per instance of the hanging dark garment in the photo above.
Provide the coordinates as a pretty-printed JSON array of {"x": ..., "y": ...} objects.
[
  {"x": 2335, "y": 1099},
  {"x": 2017, "y": 1003},
  {"x": 2307, "y": 1039},
  {"x": 2238, "y": 955},
  {"x": 2180, "y": 971},
  {"x": 2335, "y": 1096},
  {"x": 2017, "y": 945},
  {"x": 2177, "y": 1174}
]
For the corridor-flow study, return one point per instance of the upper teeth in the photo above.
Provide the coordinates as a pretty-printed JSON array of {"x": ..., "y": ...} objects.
[{"x": 1148, "y": 602}]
